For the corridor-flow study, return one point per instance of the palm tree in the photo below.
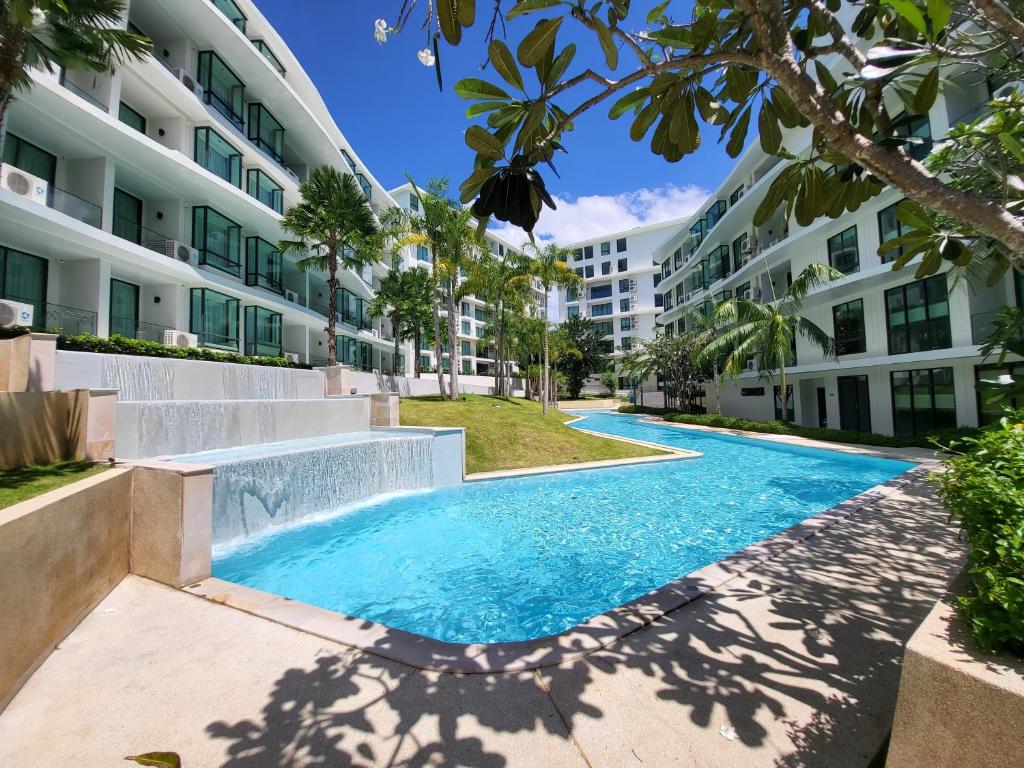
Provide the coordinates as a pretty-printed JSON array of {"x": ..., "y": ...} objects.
[
  {"x": 390, "y": 301},
  {"x": 80, "y": 34},
  {"x": 638, "y": 364},
  {"x": 420, "y": 307},
  {"x": 551, "y": 268},
  {"x": 706, "y": 326},
  {"x": 767, "y": 332},
  {"x": 334, "y": 227}
]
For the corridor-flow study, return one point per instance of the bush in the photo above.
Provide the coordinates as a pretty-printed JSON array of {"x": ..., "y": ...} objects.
[
  {"x": 930, "y": 440},
  {"x": 122, "y": 345},
  {"x": 984, "y": 490}
]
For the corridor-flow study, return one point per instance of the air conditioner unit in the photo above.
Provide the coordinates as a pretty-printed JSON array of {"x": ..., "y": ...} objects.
[
  {"x": 376, "y": 333},
  {"x": 291, "y": 357},
  {"x": 751, "y": 365},
  {"x": 632, "y": 285},
  {"x": 189, "y": 82},
  {"x": 291, "y": 296},
  {"x": 185, "y": 253},
  {"x": 15, "y": 313},
  {"x": 689, "y": 295},
  {"x": 24, "y": 184},
  {"x": 180, "y": 339},
  {"x": 1006, "y": 90},
  {"x": 633, "y": 303}
]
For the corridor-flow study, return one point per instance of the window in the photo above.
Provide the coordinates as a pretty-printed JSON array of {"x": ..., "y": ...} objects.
[
  {"x": 737, "y": 194},
  {"x": 30, "y": 158},
  {"x": 606, "y": 249},
  {"x": 349, "y": 161},
  {"x": 743, "y": 291},
  {"x": 578, "y": 254},
  {"x": 752, "y": 392},
  {"x": 266, "y": 132},
  {"x": 214, "y": 318},
  {"x": 603, "y": 328},
  {"x": 623, "y": 264},
  {"x": 918, "y": 127},
  {"x": 715, "y": 213},
  {"x": 740, "y": 252},
  {"x": 424, "y": 362},
  {"x": 658, "y": 300},
  {"x": 670, "y": 330},
  {"x": 358, "y": 354},
  {"x": 620, "y": 245},
  {"x": 719, "y": 265},
  {"x": 657, "y": 280},
  {"x": 667, "y": 298},
  {"x": 229, "y": 9},
  {"x": 917, "y": 316},
  {"x": 606, "y": 346},
  {"x": 588, "y": 271},
  {"x": 601, "y": 310},
  {"x": 216, "y": 155},
  {"x": 848, "y": 324},
  {"x": 264, "y": 189},
  {"x": 465, "y": 309},
  {"x": 572, "y": 293},
  {"x": 263, "y": 264},
  {"x": 275, "y": 62},
  {"x": 889, "y": 228},
  {"x": 423, "y": 254},
  {"x": 624, "y": 285},
  {"x": 414, "y": 205},
  {"x": 623, "y": 305},
  {"x": 481, "y": 315},
  {"x": 222, "y": 89},
  {"x": 842, "y": 251},
  {"x": 579, "y": 271},
  {"x": 923, "y": 401},
  {"x": 124, "y": 308},
  {"x": 991, "y": 413},
  {"x": 627, "y": 343},
  {"x": 677, "y": 258},
  {"x": 666, "y": 268},
  {"x": 127, "y": 220},
  {"x": 467, "y": 347},
  {"x": 600, "y": 291},
  {"x": 131, "y": 118},
  {"x": 466, "y": 328},
  {"x": 697, "y": 232},
  {"x": 573, "y": 311},
  {"x": 588, "y": 252},
  {"x": 23, "y": 279},
  {"x": 262, "y": 332},
  {"x": 218, "y": 239},
  {"x": 606, "y": 267}
]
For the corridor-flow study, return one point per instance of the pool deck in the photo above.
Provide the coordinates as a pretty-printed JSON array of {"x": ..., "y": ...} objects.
[{"x": 795, "y": 662}]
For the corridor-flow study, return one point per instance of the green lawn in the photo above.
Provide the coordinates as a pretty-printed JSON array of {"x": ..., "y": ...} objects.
[
  {"x": 24, "y": 483},
  {"x": 513, "y": 434}
]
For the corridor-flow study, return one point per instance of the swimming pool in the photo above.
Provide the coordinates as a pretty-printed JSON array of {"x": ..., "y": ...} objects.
[{"x": 527, "y": 557}]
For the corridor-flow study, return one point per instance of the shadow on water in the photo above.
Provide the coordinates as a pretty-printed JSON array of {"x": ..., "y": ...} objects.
[{"x": 800, "y": 657}]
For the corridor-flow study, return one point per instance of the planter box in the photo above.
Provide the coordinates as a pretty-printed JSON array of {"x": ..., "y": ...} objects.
[{"x": 957, "y": 706}]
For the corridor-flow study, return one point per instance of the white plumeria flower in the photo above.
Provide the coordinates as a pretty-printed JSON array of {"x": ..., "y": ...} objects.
[
  {"x": 426, "y": 57},
  {"x": 1005, "y": 379},
  {"x": 380, "y": 31},
  {"x": 38, "y": 17}
]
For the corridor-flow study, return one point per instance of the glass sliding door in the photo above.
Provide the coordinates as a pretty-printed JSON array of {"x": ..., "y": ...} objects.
[
  {"x": 214, "y": 153},
  {"x": 218, "y": 240},
  {"x": 124, "y": 308},
  {"x": 23, "y": 279},
  {"x": 214, "y": 318},
  {"x": 263, "y": 265},
  {"x": 854, "y": 403},
  {"x": 262, "y": 332},
  {"x": 222, "y": 89},
  {"x": 127, "y": 216}
]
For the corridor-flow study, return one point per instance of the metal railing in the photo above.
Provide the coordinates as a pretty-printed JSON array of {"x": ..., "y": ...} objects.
[
  {"x": 75, "y": 207},
  {"x": 70, "y": 321},
  {"x": 134, "y": 232},
  {"x": 140, "y": 330}
]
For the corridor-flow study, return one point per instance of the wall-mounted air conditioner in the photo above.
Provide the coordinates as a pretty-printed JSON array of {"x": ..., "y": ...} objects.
[
  {"x": 376, "y": 333},
  {"x": 182, "y": 252},
  {"x": 291, "y": 296},
  {"x": 24, "y": 184},
  {"x": 688, "y": 296},
  {"x": 632, "y": 285},
  {"x": 751, "y": 365},
  {"x": 189, "y": 82},
  {"x": 1005, "y": 90},
  {"x": 15, "y": 313},
  {"x": 183, "y": 339},
  {"x": 291, "y": 357}
]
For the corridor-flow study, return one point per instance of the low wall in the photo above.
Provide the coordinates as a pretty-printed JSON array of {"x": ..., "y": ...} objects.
[
  {"x": 42, "y": 427},
  {"x": 957, "y": 706},
  {"x": 60, "y": 554},
  {"x": 407, "y": 386},
  {"x": 148, "y": 429},
  {"x": 156, "y": 378}
]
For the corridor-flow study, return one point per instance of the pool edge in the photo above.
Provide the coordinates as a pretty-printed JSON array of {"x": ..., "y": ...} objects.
[{"x": 583, "y": 639}]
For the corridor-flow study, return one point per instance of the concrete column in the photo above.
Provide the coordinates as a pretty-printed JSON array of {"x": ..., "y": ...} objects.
[
  {"x": 85, "y": 285},
  {"x": 383, "y": 410},
  {"x": 337, "y": 379}
]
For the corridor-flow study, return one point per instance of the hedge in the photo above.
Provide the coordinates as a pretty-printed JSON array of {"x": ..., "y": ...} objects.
[
  {"x": 122, "y": 345},
  {"x": 984, "y": 490},
  {"x": 930, "y": 440}
]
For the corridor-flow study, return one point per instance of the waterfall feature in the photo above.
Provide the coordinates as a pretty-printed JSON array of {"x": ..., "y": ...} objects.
[
  {"x": 138, "y": 378},
  {"x": 260, "y": 382},
  {"x": 270, "y": 485}
]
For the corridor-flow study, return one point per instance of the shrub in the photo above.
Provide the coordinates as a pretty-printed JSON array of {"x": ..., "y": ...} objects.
[
  {"x": 984, "y": 490},
  {"x": 930, "y": 440},
  {"x": 122, "y": 345}
]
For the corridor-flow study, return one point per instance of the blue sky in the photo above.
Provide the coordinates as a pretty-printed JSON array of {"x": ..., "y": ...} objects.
[{"x": 389, "y": 107}]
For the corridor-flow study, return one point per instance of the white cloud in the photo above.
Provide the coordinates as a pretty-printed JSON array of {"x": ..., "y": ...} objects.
[{"x": 590, "y": 216}]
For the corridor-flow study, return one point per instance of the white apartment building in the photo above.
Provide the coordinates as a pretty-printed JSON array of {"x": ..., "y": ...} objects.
[
  {"x": 149, "y": 199},
  {"x": 621, "y": 292},
  {"x": 476, "y": 356},
  {"x": 908, "y": 349}
]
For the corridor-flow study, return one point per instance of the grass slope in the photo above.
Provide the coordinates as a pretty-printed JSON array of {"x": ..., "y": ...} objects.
[
  {"x": 513, "y": 434},
  {"x": 25, "y": 482}
]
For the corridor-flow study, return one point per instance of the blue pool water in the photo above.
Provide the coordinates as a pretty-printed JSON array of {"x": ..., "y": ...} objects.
[{"x": 521, "y": 558}]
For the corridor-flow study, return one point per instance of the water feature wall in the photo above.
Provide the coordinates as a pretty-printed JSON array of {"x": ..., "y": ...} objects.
[
  {"x": 151, "y": 428},
  {"x": 155, "y": 378},
  {"x": 277, "y": 486}
]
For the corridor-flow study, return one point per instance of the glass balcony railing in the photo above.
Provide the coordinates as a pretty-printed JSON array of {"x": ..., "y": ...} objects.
[
  {"x": 70, "y": 321},
  {"x": 261, "y": 46},
  {"x": 75, "y": 207},
  {"x": 364, "y": 184},
  {"x": 134, "y": 232},
  {"x": 81, "y": 92},
  {"x": 232, "y": 12}
]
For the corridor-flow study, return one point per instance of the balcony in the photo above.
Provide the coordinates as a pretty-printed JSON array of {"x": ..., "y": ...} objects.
[
  {"x": 80, "y": 92},
  {"x": 263, "y": 188},
  {"x": 232, "y": 12},
  {"x": 134, "y": 232},
  {"x": 56, "y": 198},
  {"x": 136, "y": 329},
  {"x": 222, "y": 88},
  {"x": 261, "y": 46},
  {"x": 266, "y": 132},
  {"x": 364, "y": 184},
  {"x": 69, "y": 321},
  {"x": 263, "y": 265}
]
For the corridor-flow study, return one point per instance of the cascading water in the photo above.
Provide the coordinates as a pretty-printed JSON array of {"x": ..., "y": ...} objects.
[
  {"x": 259, "y": 382},
  {"x": 138, "y": 378},
  {"x": 173, "y": 426},
  {"x": 270, "y": 485}
]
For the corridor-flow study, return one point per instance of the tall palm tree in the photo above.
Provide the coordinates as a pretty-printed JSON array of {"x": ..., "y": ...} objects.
[
  {"x": 76, "y": 34},
  {"x": 334, "y": 227},
  {"x": 767, "y": 332},
  {"x": 705, "y": 327},
  {"x": 391, "y": 301},
  {"x": 551, "y": 267}
]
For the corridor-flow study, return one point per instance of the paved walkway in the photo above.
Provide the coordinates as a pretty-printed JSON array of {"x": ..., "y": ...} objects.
[{"x": 798, "y": 661}]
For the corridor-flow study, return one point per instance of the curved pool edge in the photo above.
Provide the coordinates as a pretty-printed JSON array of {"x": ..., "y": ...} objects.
[{"x": 583, "y": 639}]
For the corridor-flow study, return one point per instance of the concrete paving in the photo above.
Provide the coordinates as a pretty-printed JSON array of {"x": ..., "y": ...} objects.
[{"x": 793, "y": 664}]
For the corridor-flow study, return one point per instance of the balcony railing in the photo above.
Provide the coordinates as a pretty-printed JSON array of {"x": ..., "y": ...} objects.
[
  {"x": 140, "y": 330},
  {"x": 80, "y": 92},
  {"x": 982, "y": 326},
  {"x": 75, "y": 207},
  {"x": 134, "y": 232},
  {"x": 70, "y": 321}
]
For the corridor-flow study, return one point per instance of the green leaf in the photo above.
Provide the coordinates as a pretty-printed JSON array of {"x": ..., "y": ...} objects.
[
  {"x": 683, "y": 130},
  {"x": 657, "y": 12},
  {"x": 911, "y": 13},
  {"x": 913, "y": 215},
  {"x": 484, "y": 106},
  {"x": 447, "y": 20},
  {"x": 475, "y": 88},
  {"x": 611, "y": 53},
  {"x": 529, "y": 6},
  {"x": 559, "y": 65},
  {"x": 484, "y": 143},
  {"x": 504, "y": 63},
  {"x": 644, "y": 121},
  {"x": 673, "y": 37},
  {"x": 940, "y": 12},
  {"x": 158, "y": 759},
  {"x": 739, "y": 134},
  {"x": 471, "y": 186},
  {"x": 467, "y": 12},
  {"x": 776, "y": 193},
  {"x": 538, "y": 42},
  {"x": 1012, "y": 146},
  {"x": 627, "y": 102},
  {"x": 768, "y": 128},
  {"x": 927, "y": 92}
]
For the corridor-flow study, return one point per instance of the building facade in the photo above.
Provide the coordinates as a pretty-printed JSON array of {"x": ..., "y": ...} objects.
[
  {"x": 908, "y": 357},
  {"x": 149, "y": 199}
]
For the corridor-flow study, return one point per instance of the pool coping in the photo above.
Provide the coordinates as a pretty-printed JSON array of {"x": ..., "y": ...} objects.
[{"x": 579, "y": 641}]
